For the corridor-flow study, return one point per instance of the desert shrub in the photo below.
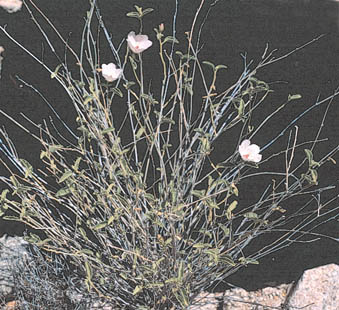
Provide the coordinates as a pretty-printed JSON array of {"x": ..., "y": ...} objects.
[
  {"x": 149, "y": 219},
  {"x": 44, "y": 281}
]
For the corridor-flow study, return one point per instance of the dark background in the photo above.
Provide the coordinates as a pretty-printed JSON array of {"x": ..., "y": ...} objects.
[{"x": 233, "y": 27}]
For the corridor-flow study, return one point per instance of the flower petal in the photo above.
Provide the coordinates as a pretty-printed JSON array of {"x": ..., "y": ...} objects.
[{"x": 253, "y": 148}]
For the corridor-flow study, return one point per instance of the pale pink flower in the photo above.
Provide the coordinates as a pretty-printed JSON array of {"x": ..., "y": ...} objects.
[
  {"x": 138, "y": 43},
  {"x": 11, "y": 6},
  {"x": 1, "y": 49},
  {"x": 110, "y": 72},
  {"x": 249, "y": 152}
]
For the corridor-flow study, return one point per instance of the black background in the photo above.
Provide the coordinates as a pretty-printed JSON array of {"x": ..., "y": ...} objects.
[{"x": 233, "y": 27}]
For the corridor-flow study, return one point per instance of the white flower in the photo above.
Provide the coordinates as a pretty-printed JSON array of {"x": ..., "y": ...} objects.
[
  {"x": 138, "y": 43},
  {"x": 249, "y": 152},
  {"x": 110, "y": 72},
  {"x": 11, "y": 6},
  {"x": 1, "y": 51}
]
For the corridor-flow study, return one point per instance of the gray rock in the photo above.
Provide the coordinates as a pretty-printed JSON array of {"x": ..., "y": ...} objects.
[{"x": 13, "y": 251}]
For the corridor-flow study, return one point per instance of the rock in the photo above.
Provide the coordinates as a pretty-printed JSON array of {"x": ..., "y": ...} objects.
[
  {"x": 207, "y": 301},
  {"x": 317, "y": 289},
  {"x": 13, "y": 250}
]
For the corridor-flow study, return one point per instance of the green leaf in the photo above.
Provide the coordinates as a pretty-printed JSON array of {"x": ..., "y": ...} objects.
[
  {"x": 11, "y": 218},
  {"x": 155, "y": 285},
  {"x": 312, "y": 163},
  {"x": 251, "y": 215},
  {"x": 225, "y": 229},
  {"x": 3, "y": 209},
  {"x": 231, "y": 207},
  {"x": 240, "y": 106},
  {"x": 248, "y": 260},
  {"x": 137, "y": 289},
  {"x": 43, "y": 154},
  {"x": 180, "y": 54},
  {"x": 227, "y": 259},
  {"x": 117, "y": 91},
  {"x": 88, "y": 270},
  {"x": 3, "y": 194},
  {"x": 32, "y": 238},
  {"x": 170, "y": 39},
  {"x": 167, "y": 120},
  {"x": 107, "y": 130},
  {"x": 309, "y": 155},
  {"x": 199, "y": 193},
  {"x": 200, "y": 131},
  {"x": 294, "y": 97},
  {"x": 86, "y": 251},
  {"x": 28, "y": 167},
  {"x": 63, "y": 192},
  {"x": 133, "y": 63},
  {"x": 147, "y": 11},
  {"x": 132, "y": 14},
  {"x": 218, "y": 67},
  {"x": 110, "y": 220},
  {"x": 201, "y": 245},
  {"x": 139, "y": 9},
  {"x": 88, "y": 99},
  {"x": 65, "y": 176},
  {"x": 314, "y": 176},
  {"x": 181, "y": 271},
  {"x": 235, "y": 190},
  {"x": 149, "y": 99},
  {"x": 184, "y": 298},
  {"x": 214, "y": 256},
  {"x": 140, "y": 133},
  {"x": 76, "y": 164},
  {"x": 83, "y": 233},
  {"x": 43, "y": 242},
  {"x": 171, "y": 280},
  {"x": 54, "y": 148},
  {"x": 219, "y": 182},
  {"x": 205, "y": 145},
  {"x": 128, "y": 85},
  {"x": 100, "y": 225},
  {"x": 14, "y": 181},
  {"x": 54, "y": 74},
  {"x": 208, "y": 63}
]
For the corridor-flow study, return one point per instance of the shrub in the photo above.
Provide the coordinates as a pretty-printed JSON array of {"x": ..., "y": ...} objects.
[
  {"x": 44, "y": 282},
  {"x": 149, "y": 219}
]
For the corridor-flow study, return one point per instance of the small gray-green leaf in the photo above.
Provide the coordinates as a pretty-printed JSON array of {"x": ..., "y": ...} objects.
[
  {"x": 218, "y": 67},
  {"x": 107, "y": 130},
  {"x": 54, "y": 148},
  {"x": 65, "y": 176},
  {"x": 54, "y": 74},
  {"x": 170, "y": 39},
  {"x": 63, "y": 192},
  {"x": 147, "y": 11},
  {"x": 137, "y": 289},
  {"x": 294, "y": 97},
  {"x": 251, "y": 215},
  {"x": 231, "y": 207},
  {"x": 208, "y": 63},
  {"x": 133, "y": 14}
]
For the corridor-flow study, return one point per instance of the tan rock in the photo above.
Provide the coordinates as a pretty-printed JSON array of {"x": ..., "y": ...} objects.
[{"x": 317, "y": 289}]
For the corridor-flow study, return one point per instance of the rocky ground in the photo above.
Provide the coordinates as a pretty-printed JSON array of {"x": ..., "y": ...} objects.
[{"x": 317, "y": 289}]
